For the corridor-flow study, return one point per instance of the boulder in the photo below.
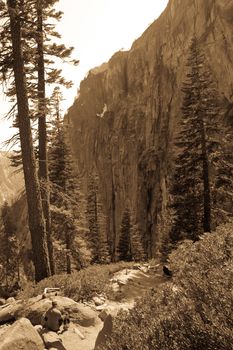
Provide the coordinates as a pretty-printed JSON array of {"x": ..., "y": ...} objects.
[
  {"x": 10, "y": 300},
  {"x": 21, "y": 335},
  {"x": 8, "y": 312},
  {"x": 104, "y": 333},
  {"x": 101, "y": 307},
  {"x": 78, "y": 313},
  {"x": 73, "y": 339},
  {"x": 108, "y": 310},
  {"x": 98, "y": 301},
  {"x": 52, "y": 340}
]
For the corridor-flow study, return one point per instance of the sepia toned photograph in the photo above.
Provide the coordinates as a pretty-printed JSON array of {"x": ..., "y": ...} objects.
[{"x": 116, "y": 175}]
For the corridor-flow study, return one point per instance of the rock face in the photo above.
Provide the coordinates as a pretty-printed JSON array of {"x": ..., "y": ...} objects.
[
  {"x": 21, "y": 335},
  {"x": 10, "y": 183},
  {"x": 123, "y": 124}
]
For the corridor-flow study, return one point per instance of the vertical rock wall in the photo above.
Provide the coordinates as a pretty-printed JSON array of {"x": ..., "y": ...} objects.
[{"x": 123, "y": 123}]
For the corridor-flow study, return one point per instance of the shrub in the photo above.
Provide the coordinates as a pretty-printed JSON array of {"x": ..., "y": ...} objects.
[
  {"x": 78, "y": 285},
  {"x": 192, "y": 311}
]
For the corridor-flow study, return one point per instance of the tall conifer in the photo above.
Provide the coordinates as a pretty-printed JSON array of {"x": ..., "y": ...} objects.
[{"x": 199, "y": 143}]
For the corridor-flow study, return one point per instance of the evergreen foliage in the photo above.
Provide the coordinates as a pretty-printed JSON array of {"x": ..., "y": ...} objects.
[
  {"x": 71, "y": 251},
  {"x": 97, "y": 222},
  {"x": 124, "y": 246},
  {"x": 200, "y": 152},
  {"x": 68, "y": 220},
  {"x": 138, "y": 251},
  {"x": 13, "y": 29}
]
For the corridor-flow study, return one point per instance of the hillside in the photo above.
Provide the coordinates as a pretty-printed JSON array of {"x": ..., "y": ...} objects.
[
  {"x": 123, "y": 123},
  {"x": 11, "y": 183}
]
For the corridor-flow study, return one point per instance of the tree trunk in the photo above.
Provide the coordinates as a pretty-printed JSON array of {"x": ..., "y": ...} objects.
[
  {"x": 43, "y": 156},
  {"x": 35, "y": 211}
]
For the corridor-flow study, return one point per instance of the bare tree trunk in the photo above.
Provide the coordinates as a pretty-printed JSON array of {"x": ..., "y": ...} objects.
[
  {"x": 43, "y": 157},
  {"x": 35, "y": 211}
]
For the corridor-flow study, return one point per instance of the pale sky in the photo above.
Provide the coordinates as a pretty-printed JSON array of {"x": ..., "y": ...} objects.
[{"x": 96, "y": 29}]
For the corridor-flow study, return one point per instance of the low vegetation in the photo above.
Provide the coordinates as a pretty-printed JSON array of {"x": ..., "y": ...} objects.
[
  {"x": 81, "y": 285},
  {"x": 191, "y": 311}
]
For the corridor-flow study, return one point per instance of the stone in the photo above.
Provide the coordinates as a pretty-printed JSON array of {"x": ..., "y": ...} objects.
[
  {"x": 101, "y": 307},
  {"x": 72, "y": 339},
  {"x": 8, "y": 312},
  {"x": 109, "y": 310},
  {"x": 104, "y": 333},
  {"x": 21, "y": 336},
  {"x": 10, "y": 300},
  {"x": 35, "y": 308},
  {"x": 52, "y": 340},
  {"x": 98, "y": 301}
]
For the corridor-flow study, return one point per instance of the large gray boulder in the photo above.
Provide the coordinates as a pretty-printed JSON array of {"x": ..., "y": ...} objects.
[
  {"x": 35, "y": 308},
  {"x": 21, "y": 335},
  {"x": 52, "y": 340}
]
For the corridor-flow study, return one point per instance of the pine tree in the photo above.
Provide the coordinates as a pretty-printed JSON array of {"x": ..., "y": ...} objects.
[
  {"x": 124, "y": 246},
  {"x": 37, "y": 49},
  {"x": 138, "y": 251},
  {"x": 62, "y": 169},
  {"x": 198, "y": 141},
  {"x": 92, "y": 217},
  {"x": 36, "y": 219},
  {"x": 67, "y": 200},
  {"x": 42, "y": 131}
]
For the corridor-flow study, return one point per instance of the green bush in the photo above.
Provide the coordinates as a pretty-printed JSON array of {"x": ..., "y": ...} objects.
[
  {"x": 81, "y": 285},
  {"x": 191, "y": 311}
]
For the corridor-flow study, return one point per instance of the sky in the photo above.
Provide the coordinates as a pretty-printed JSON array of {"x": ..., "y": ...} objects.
[{"x": 96, "y": 29}]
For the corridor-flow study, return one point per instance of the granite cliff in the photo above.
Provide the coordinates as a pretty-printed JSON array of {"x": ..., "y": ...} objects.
[
  {"x": 123, "y": 123},
  {"x": 11, "y": 183}
]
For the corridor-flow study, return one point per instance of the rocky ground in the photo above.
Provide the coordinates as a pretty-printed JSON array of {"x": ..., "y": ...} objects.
[{"x": 90, "y": 322}]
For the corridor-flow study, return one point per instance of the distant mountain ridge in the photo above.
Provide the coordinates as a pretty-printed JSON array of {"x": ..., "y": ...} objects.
[{"x": 11, "y": 183}]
